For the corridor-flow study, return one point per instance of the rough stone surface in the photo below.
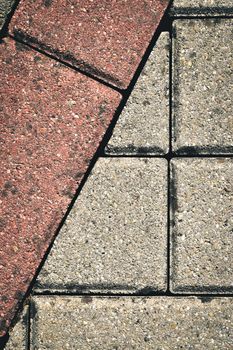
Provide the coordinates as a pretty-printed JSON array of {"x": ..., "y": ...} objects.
[
  {"x": 52, "y": 120},
  {"x": 143, "y": 127},
  {"x": 132, "y": 323},
  {"x": 104, "y": 38},
  {"x": 5, "y": 8},
  {"x": 202, "y": 225},
  {"x": 203, "y": 86},
  {"x": 114, "y": 239},
  {"x": 19, "y": 334},
  {"x": 201, "y": 7}
]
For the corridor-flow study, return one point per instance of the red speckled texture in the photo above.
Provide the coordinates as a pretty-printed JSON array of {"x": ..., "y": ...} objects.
[
  {"x": 105, "y": 38},
  {"x": 52, "y": 120}
]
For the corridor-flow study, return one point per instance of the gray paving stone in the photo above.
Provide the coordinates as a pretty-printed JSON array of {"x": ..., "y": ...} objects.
[
  {"x": 161, "y": 323},
  {"x": 5, "y": 8},
  {"x": 201, "y": 7},
  {"x": 203, "y": 86},
  {"x": 202, "y": 225},
  {"x": 19, "y": 334},
  {"x": 115, "y": 237},
  {"x": 143, "y": 126}
]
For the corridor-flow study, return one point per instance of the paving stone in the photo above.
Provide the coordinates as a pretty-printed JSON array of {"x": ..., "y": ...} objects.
[
  {"x": 201, "y": 7},
  {"x": 143, "y": 126},
  {"x": 19, "y": 334},
  {"x": 132, "y": 323},
  {"x": 52, "y": 120},
  {"x": 106, "y": 38},
  {"x": 202, "y": 225},
  {"x": 203, "y": 88},
  {"x": 5, "y": 8},
  {"x": 115, "y": 237}
]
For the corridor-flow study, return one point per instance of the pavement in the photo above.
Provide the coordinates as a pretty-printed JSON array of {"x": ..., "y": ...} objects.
[{"x": 117, "y": 145}]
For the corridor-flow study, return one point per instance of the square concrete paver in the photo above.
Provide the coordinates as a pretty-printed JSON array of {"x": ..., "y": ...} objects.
[
  {"x": 18, "y": 339},
  {"x": 201, "y": 7},
  {"x": 132, "y": 323},
  {"x": 104, "y": 38},
  {"x": 143, "y": 126},
  {"x": 115, "y": 238},
  {"x": 202, "y": 225},
  {"x": 203, "y": 86}
]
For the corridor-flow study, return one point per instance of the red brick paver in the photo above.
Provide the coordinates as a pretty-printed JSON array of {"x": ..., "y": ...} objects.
[
  {"x": 104, "y": 38},
  {"x": 52, "y": 120}
]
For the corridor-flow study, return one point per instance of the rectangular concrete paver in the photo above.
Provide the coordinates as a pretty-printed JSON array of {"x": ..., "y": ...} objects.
[
  {"x": 115, "y": 238},
  {"x": 104, "y": 38},
  {"x": 202, "y": 225},
  {"x": 19, "y": 336},
  {"x": 52, "y": 121},
  {"x": 201, "y": 7},
  {"x": 203, "y": 86},
  {"x": 143, "y": 126},
  {"x": 132, "y": 323}
]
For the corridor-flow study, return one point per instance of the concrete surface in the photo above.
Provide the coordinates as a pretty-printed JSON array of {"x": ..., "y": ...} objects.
[
  {"x": 202, "y": 225},
  {"x": 115, "y": 237},
  {"x": 5, "y": 8},
  {"x": 202, "y": 86},
  {"x": 19, "y": 334},
  {"x": 201, "y": 8},
  {"x": 132, "y": 323},
  {"x": 143, "y": 126}
]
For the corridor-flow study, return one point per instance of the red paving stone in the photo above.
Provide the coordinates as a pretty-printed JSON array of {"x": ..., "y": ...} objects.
[
  {"x": 52, "y": 120},
  {"x": 104, "y": 38}
]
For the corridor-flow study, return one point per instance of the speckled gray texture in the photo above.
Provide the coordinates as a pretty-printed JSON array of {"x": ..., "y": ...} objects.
[
  {"x": 202, "y": 225},
  {"x": 158, "y": 323},
  {"x": 115, "y": 238},
  {"x": 5, "y": 8},
  {"x": 203, "y": 86},
  {"x": 143, "y": 126},
  {"x": 18, "y": 339},
  {"x": 201, "y": 7}
]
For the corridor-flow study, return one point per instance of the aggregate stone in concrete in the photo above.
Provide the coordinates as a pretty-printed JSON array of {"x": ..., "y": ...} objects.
[
  {"x": 18, "y": 339},
  {"x": 201, "y": 7},
  {"x": 165, "y": 323},
  {"x": 52, "y": 121},
  {"x": 203, "y": 86},
  {"x": 202, "y": 225},
  {"x": 115, "y": 237},
  {"x": 143, "y": 126},
  {"x": 5, "y": 8},
  {"x": 104, "y": 38}
]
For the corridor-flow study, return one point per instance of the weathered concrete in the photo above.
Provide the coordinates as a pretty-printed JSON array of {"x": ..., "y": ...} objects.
[
  {"x": 19, "y": 333},
  {"x": 115, "y": 237},
  {"x": 5, "y": 8},
  {"x": 203, "y": 88},
  {"x": 104, "y": 38},
  {"x": 143, "y": 126},
  {"x": 202, "y": 225},
  {"x": 52, "y": 121},
  {"x": 201, "y": 8},
  {"x": 132, "y": 323}
]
